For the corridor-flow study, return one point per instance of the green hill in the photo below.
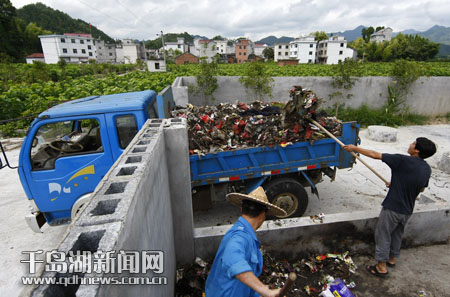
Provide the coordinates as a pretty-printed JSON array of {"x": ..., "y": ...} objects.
[
  {"x": 57, "y": 21},
  {"x": 271, "y": 40},
  {"x": 438, "y": 34}
]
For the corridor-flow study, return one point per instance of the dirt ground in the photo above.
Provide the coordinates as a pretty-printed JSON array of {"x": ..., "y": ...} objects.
[{"x": 425, "y": 268}]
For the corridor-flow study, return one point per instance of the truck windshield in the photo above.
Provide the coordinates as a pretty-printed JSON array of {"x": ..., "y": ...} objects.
[{"x": 64, "y": 138}]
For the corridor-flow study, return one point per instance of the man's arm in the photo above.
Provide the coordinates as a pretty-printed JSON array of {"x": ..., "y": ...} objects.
[
  {"x": 360, "y": 150},
  {"x": 249, "y": 279}
]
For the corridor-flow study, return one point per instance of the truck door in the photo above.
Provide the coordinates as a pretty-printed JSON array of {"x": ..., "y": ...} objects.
[{"x": 67, "y": 159}]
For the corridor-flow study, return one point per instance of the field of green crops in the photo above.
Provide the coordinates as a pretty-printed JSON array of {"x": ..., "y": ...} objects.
[{"x": 30, "y": 89}]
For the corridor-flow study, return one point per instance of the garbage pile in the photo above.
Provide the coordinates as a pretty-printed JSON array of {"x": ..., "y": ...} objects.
[
  {"x": 191, "y": 279},
  {"x": 229, "y": 126},
  {"x": 315, "y": 274}
]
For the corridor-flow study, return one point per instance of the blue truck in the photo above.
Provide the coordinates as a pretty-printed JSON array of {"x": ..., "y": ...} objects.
[
  {"x": 70, "y": 147},
  {"x": 283, "y": 171}
]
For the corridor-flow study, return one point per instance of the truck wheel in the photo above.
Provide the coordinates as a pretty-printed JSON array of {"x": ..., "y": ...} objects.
[{"x": 288, "y": 194}]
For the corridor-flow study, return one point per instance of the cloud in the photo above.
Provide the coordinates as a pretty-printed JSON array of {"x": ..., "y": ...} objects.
[{"x": 143, "y": 19}]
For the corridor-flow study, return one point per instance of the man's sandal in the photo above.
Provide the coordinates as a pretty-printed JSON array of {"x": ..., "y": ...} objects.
[
  {"x": 390, "y": 264},
  {"x": 374, "y": 271}
]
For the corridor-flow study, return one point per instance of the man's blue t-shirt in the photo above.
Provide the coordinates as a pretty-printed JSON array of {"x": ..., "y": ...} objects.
[
  {"x": 238, "y": 252},
  {"x": 409, "y": 176}
]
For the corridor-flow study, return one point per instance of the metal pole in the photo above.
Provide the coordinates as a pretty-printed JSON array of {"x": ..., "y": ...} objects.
[{"x": 164, "y": 50}]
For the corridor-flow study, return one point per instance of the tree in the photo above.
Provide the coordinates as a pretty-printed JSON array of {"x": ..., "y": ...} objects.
[
  {"x": 359, "y": 45},
  {"x": 268, "y": 53},
  {"x": 344, "y": 80},
  {"x": 7, "y": 11},
  {"x": 8, "y": 30},
  {"x": 206, "y": 79},
  {"x": 218, "y": 37},
  {"x": 319, "y": 35},
  {"x": 367, "y": 32},
  {"x": 257, "y": 80}
]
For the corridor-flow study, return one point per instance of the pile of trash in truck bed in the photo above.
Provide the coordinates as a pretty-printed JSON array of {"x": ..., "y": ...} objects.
[
  {"x": 229, "y": 126},
  {"x": 316, "y": 275}
]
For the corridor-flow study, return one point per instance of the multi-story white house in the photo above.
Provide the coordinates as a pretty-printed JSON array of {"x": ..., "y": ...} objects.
[
  {"x": 71, "y": 47},
  {"x": 334, "y": 50},
  {"x": 221, "y": 46},
  {"x": 178, "y": 45},
  {"x": 129, "y": 52},
  {"x": 303, "y": 49},
  {"x": 382, "y": 35},
  {"x": 281, "y": 51},
  {"x": 106, "y": 52},
  {"x": 205, "y": 48}
]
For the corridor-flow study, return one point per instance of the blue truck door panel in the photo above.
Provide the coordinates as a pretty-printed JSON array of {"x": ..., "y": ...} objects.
[
  {"x": 73, "y": 175},
  {"x": 140, "y": 117}
]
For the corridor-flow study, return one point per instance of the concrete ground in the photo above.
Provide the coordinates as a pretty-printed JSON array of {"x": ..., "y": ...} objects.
[
  {"x": 418, "y": 269},
  {"x": 15, "y": 234},
  {"x": 422, "y": 268}
]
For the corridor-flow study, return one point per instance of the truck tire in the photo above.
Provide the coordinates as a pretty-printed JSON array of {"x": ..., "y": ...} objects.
[{"x": 288, "y": 194}]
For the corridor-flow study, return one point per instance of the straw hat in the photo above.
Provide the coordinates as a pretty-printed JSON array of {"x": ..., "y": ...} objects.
[{"x": 258, "y": 195}]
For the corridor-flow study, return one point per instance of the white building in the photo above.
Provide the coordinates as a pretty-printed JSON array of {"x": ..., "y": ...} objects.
[
  {"x": 35, "y": 57},
  {"x": 280, "y": 51},
  {"x": 129, "y": 52},
  {"x": 205, "y": 48},
  {"x": 222, "y": 47},
  {"x": 156, "y": 65},
  {"x": 334, "y": 50},
  {"x": 382, "y": 35},
  {"x": 178, "y": 45},
  {"x": 106, "y": 52},
  {"x": 259, "y": 48},
  {"x": 72, "y": 47},
  {"x": 304, "y": 49}
]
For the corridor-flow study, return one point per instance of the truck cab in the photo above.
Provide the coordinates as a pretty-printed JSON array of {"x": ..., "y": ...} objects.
[{"x": 70, "y": 147}]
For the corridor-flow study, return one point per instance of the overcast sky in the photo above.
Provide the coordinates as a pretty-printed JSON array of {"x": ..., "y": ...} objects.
[{"x": 254, "y": 19}]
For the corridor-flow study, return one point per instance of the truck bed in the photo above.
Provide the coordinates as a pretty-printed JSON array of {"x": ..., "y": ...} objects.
[{"x": 262, "y": 161}]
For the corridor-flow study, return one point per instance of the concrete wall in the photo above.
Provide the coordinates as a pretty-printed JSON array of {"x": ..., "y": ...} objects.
[
  {"x": 298, "y": 237},
  {"x": 427, "y": 96},
  {"x": 140, "y": 205}
]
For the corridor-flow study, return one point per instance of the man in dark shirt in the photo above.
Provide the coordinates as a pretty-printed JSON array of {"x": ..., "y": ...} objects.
[{"x": 410, "y": 175}]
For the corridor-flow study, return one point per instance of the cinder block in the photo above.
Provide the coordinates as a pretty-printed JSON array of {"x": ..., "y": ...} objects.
[
  {"x": 92, "y": 238},
  {"x": 111, "y": 204}
]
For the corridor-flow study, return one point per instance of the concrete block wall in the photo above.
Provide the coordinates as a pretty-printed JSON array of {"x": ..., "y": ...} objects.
[
  {"x": 131, "y": 210},
  {"x": 427, "y": 96}
]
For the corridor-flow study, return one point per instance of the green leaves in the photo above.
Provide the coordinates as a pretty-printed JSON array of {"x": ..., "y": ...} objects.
[
  {"x": 258, "y": 80},
  {"x": 30, "y": 89}
]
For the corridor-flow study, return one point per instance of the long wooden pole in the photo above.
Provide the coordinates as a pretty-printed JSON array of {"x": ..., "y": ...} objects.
[
  {"x": 289, "y": 282},
  {"x": 353, "y": 154}
]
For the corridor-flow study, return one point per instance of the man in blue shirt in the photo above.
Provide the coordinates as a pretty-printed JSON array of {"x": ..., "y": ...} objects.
[
  {"x": 238, "y": 261},
  {"x": 410, "y": 175}
]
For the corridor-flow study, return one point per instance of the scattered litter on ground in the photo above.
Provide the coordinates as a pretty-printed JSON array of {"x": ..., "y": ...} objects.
[
  {"x": 315, "y": 274},
  {"x": 229, "y": 126},
  {"x": 422, "y": 293},
  {"x": 318, "y": 218}
]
